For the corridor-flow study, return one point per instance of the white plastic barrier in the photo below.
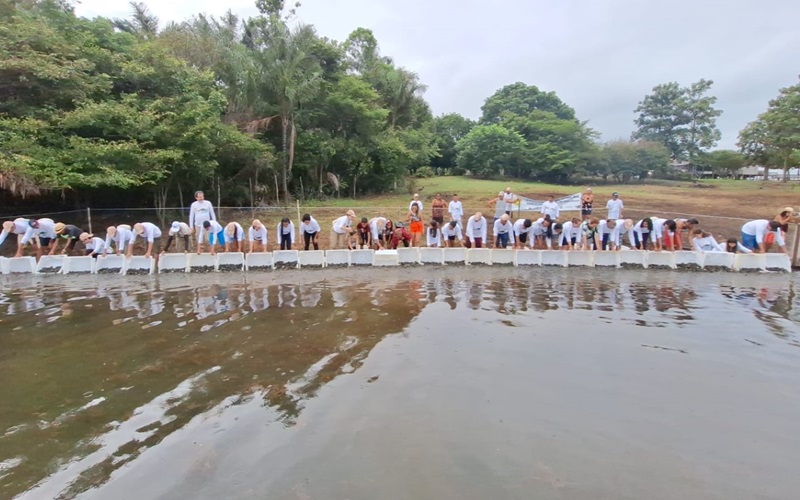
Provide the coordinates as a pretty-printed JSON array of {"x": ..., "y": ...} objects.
[
  {"x": 203, "y": 263},
  {"x": 408, "y": 256},
  {"x": 580, "y": 258},
  {"x": 717, "y": 260},
  {"x": 632, "y": 258},
  {"x": 173, "y": 263},
  {"x": 430, "y": 256},
  {"x": 286, "y": 259},
  {"x": 455, "y": 255},
  {"x": 259, "y": 261},
  {"x": 139, "y": 265},
  {"x": 312, "y": 258},
  {"x": 529, "y": 257},
  {"x": 778, "y": 262},
  {"x": 501, "y": 257},
  {"x": 688, "y": 259},
  {"x": 386, "y": 258},
  {"x": 78, "y": 265},
  {"x": 606, "y": 259},
  {"x": 17, "y": 265},
  {"x": 661, "y": 259},
  {"x": 337, "y": 258},
  {"x": 750, "y": 262},
  {"x": 362, "y": 257},
  {"x": 110, "y": 264},
  {"x": 479, "y": 256},
  {"x": 50, "y": 264},
  {"x": 230, "y": 261},
  {"x": 554, "y": 258}
]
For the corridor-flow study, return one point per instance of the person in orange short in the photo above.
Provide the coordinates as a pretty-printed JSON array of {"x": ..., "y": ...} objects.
[
  {"x": 415, "y": 226},
  {"x": 674, "y": 241}
]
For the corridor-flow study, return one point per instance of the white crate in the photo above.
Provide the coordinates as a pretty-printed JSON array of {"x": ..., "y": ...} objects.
[
  {"x": 554, "y": 258},
  {"x": 529, "y": 257},
  {"x": 78, "y": 265},
  {"x": 503, "y": 257},
  {"x": 479, "y": 256},
  {"x": 580, "y": 258},
  {"x": 337, "y": 258},
  {"x": 139, "y": 265},
  {"x": 408, "y": 255},
  {"x": 661, "y": 259},
  {"x": 632, "y": 258},
  {"x": 684, "y": 258},
  {"x": 312, "y": 258},
  {"x": 750, "y": 262},
  {"x": 456, "y": 255},
  {"x": 431, "y": 256},
  {"x": 110, "y": 264},
  {"x": 205, "y": 262},
  {"x": 386, "y": 258},
  {"x": 606, "y": 259},
  {"x": 778, "y": 262},
  {"x": 173, "y": 263},
  {"x": 286, "y": 259},
  {"x": 230, "y": 261},
  {"x": 51, "y": 264},
  {"x": 362, "y": 257},
  {"x": 718, "y": 260},
  {"x": 17, "y": 265},
  {"x": 259, "y": 261}
]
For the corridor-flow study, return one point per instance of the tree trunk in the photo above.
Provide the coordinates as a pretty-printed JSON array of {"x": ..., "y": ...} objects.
[
  {"x": 785, "y": 168},
  {"x": 180, "y": 196},
  {"x": 285, "y": 150},
  {"x": 766, "y": 173}
]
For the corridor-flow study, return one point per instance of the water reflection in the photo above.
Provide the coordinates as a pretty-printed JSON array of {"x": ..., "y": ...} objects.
[{"x": 95, "y": 375}]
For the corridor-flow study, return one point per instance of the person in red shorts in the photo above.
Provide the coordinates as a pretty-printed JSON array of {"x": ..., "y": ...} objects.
[
  {"x": 415, "y": 224},
  {"x": 674, "y": 241}
]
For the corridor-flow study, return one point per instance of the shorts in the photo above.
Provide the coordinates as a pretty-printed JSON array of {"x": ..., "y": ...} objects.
[
  {"x": 416, "y": 227},
  {"x": 523, "y": 238},
  {"x": 769, "y": 238},
  {"x": 439, "y": 219},
  {"x": 364, "y": 237},
  {"x": 586, "y": 211},
  {"x": 749, "y": 241},
  {"x": 220, "y": 238},
  {"x": 451, "y": 238},
  {"x": 45, "y": 242}
]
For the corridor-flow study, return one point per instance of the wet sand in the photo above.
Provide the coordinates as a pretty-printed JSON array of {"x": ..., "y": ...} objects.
[{"x": 444, "y": 383}]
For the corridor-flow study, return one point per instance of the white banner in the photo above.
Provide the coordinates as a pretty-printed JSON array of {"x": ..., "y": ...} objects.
[{"x": 569, "y": 203}]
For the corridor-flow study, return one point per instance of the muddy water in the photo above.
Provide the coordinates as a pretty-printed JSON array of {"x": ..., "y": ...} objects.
[{"x": 406, "y": 384}]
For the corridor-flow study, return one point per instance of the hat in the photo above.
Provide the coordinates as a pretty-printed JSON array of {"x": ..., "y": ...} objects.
[
  {"x": 60, "y": 227},
  {"x": 505, "y": 217},
  {"x": 8, "y": 226},
  {"x": 508, "y": 188},
  {"x": 477, "y": 215},
  {"x": 350, "y": 213},
  {"x": 84, "y": 236},
  {"x": 399, "y": 225},
  {"x": 500, "y": 193},
  {"x": 784, "y": 209},
  {"x": 174, "y": 228},
  {"x": 615, "y": 193}
]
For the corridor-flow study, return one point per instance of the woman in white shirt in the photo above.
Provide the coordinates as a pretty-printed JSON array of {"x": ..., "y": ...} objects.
[
  {"x": 19, "y": 227},
  {"x": 704, "y": 242},
  {"x": 257, "y": 236},
  {"x": 570, "y": 233},
  {"x": 450, "y": 232},
  {"x": 434, "y": 235},
  {"x": 234, "y": 237},
  {"x": 93, "y": 245},
  {"x": 311, "y": 231},
  {"x": 285, "y": 233},
  {"x": 121, "y": 236}
]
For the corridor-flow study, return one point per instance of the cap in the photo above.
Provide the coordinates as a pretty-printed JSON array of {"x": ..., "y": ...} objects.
[
  {"x": 350, "y": 213},
  {"x": 60, "y": 227},
  {"x": 174, "y": 228},
  {"x": 615, "y": 193},
  {"x": 500, "y": 193}
]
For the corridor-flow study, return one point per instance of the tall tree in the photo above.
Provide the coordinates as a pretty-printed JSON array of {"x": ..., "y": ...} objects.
[
  {"x": 724, "y": 161},
  {"x": 449, "y": 129},
  {"x": 521, "y": 99},
  {"x": 488, "y": 150},
  {"x": 683, "y": 119}
]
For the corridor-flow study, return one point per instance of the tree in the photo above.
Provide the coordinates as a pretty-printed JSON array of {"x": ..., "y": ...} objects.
[
  {"x": 521, "y": 99},
  {"x": 724, "y": 162},
  {"x": 449, "y": 129},
  {"x": 488, "y": 150},
  {"x": 683, "y": 119},
  {"x": 626, "y": 160}
]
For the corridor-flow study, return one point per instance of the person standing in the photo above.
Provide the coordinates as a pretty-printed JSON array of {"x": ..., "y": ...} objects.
[
  {"x": 257, "y": 236},
  {"x": 18, "y": 227},
  {"x": 456, "y": 209},
  {"x": 43, "y": 232},
  {"x": 285, "y": 233},
  {"x": 754, "y": 232},
  {"x": 341, "y": 231},
  {"x": 149, "y": 232},
  {"x": 68, "y": 232},
  {"x": 415, "y": 225},
  {"x": 178, "y": 230},
  {"x": 587, "y": 201},
  {"x": 551, "y": 208},
  {"x": 438, "y": 207},
  {"x": 503, "y": 232},
  {"x": 201, "y": 211},
  {"x": 615, "y": 206},
  {"x": 476, "y": 231},
  {"x": 499, "y": 206},
  {"x": 450, "y": 232},
  {"x": 510, "y": 199},
  {"x": 417, "y": 201}
]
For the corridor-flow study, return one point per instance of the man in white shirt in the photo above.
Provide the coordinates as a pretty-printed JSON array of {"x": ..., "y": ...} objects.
[
  {"x": 121, "y": 236},
  {"x": 503, "y": 232},
  {"x": 148, "y": 231},
  {"x": 615, "y": 207},
  {"x": 216, "y": 234},
  {"x": 753, "y": 234},
  {"x": 476, "y": 231},
  {"x": 570, "y": 233},
  {"x": 450, "y": 232},
  {"x": 551, "y": 208},
  {"x": 19, "y": 227},
  {"x": 178, "y": 229},
  {"x": 522, "y": 231},
  {"x": 257, "y": 236},
  {"x": 201, "y": 210},
  {"x": 417, "y": 201},
  {"x": 43, "y": 233},
  {"x": 540, "y": 230},
  {"x": 376, "y": 227},
  {"x": 510, "y": 200},
  {"x": 456, "y": 210},
  {"x": 341, "y": 231},
  {"x": 311, "y": 231},
  {"x": 607, "y": 230}
]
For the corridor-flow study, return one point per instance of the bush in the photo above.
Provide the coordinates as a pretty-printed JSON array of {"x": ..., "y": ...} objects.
[{"x": 424, "y": 173}]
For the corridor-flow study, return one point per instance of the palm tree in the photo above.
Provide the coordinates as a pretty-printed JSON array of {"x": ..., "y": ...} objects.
[{"x": 142, "y": 22}]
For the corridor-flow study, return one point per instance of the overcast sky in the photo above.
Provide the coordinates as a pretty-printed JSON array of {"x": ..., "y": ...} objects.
[{"x": 600, "y": 57}]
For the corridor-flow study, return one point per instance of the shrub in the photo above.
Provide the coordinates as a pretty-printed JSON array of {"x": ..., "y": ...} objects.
[{"x": 424, "y": 172}]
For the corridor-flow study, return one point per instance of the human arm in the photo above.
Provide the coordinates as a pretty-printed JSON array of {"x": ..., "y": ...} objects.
[
  {"x": 169, "y": 243},
  {"x": 191, "y": 217},
  {"x": 211, "y": 211}
]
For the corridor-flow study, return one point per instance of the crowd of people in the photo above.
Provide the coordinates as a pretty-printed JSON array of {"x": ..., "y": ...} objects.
[{"x": 446, "y": 227}]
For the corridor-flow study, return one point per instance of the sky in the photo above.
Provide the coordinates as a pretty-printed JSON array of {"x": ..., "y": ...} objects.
[{"x": 600, "y": 57}]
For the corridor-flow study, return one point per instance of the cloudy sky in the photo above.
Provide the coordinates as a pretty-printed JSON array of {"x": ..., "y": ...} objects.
[{"x": 601, "y": 57}]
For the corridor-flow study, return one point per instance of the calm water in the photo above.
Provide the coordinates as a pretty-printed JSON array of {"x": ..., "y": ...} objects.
[{"x": 401, "y": 384}]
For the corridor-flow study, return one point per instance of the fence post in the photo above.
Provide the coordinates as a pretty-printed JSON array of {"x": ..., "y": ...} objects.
[
  {"x": 793, "y": 240},
  {"x": 89, "y": 216},
  {"x": 299, "y": 217}
]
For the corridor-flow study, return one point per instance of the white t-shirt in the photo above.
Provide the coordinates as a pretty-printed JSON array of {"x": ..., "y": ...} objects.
[
  {"x": 759, "y": 229},
  {"x": 551, "y": 208},
  {"x": 507, "y": 228},
  {"x": 123, "y": 237},
  {"x": 200, "y": 212},
  {"x": 456, "y": 210},
  {"x": 214, "y": 230},
  {"x": 451, "y": 232},
  {"x": 312, "y": 226},
  {"x": 236, "y": 233},
  {"x": 259, "y": 235},
  {"x": 418, "y": 202},
  {"x": 375, "y": 230},
  {"x": 183, "y": 230},
  {"x": 151, "y": 231},
  {"x": 341, "y": 224},
  {"x": 614, "y": 208},
  {"x": 707, "y": 244},
  {"x": 436, "y": 240},
  {"x": 285, "y": 230},
  {"x": 47, "y": 229},
  {"x": 20, "y": 228},
  {"x": 476, "y": 229},
  {"x": 570, "y": 231},
  {"x": 509, "y": 199},
  {"x": 96, "y": 245}
]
